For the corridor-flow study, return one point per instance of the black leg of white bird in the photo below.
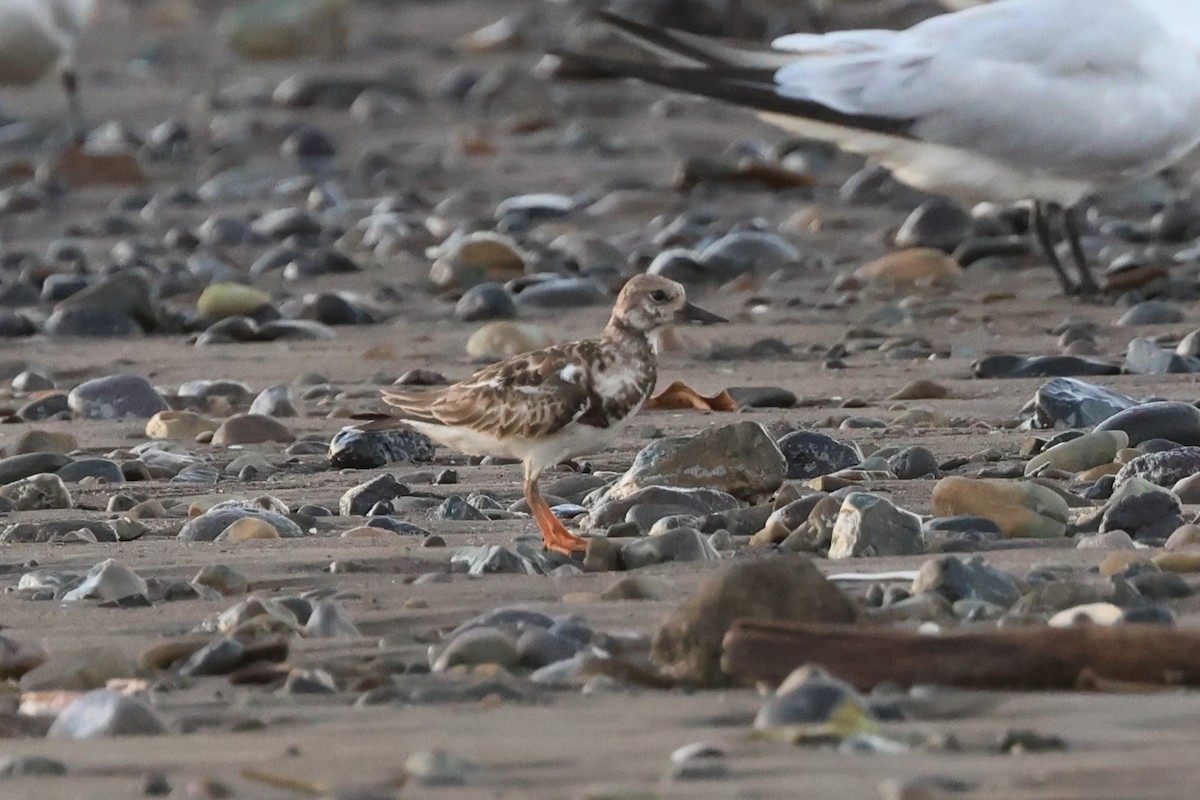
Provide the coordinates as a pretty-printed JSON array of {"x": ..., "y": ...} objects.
[
  {"x": 1073, "y": 227},
  {"x": 70, "y": 84},
  {"x": 1041, "y": 218}
]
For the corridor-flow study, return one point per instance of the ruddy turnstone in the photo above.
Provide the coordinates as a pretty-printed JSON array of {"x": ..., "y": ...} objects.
[
  {"x": 37, "y": 36},
  {"x": 1007, "y": 101},
  {"x": 547, "y": 406}
]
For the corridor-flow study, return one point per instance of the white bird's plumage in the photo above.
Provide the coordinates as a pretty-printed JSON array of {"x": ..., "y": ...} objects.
[
  {"x": 1022, "y": 98},
  {"x": 38, "y": 35},
  {"x": 1014, "y": 100},
  {"x": 41, "y": 36}
]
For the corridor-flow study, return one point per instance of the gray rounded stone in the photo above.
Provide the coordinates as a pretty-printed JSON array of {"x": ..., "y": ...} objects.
[
  {"x": 114, "y": 397},
  {"x": 103, "y": 713},
  {"x": 1179, "y": 422}
]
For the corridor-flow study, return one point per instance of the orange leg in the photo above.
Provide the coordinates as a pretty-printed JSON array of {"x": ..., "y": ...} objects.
[{"x": 555, "y": 534}]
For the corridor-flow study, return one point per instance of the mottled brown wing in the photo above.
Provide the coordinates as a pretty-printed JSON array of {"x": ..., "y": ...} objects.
[{"x": 530, "y": 395}]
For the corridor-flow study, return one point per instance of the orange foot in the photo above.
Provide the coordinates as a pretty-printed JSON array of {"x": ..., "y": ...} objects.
[{"x": 554, "y": 533}]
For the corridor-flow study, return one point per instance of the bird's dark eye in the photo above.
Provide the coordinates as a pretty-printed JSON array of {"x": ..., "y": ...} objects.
[{"x": 659, "y": 296}]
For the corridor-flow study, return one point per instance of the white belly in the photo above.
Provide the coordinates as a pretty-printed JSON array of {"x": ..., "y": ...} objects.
[
  {"x": 940, "y": 169},
  {"x": 572, "y": 441}
]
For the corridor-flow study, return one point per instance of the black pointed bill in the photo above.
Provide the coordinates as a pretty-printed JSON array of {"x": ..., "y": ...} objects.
[{"x": 691, "y": 313}]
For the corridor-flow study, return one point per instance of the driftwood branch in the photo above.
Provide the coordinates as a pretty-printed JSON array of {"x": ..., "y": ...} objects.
[{"x": 1029, "y": 659}]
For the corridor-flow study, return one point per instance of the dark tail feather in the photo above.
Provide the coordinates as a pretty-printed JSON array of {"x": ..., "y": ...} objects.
[{"x": 751, "y": 87}]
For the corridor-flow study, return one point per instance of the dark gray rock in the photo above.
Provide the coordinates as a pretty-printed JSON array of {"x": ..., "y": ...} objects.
[
  {"x": 972, "y": 579},
  {"x": 1164, "y": 468},
  {"x": 698, "y": 502},
  {"x": 84, "y": 322},
  {"x": 355, "y": 449},
  {"x": 485, "y": 301},
  {"x": 810, "y": 455},
  {"x": 14, "y": 468},
  {"x": 678, "y": 544},
  {"x": 1179, "y": 422},
  {"x": 1013, "y": 366},
  {"x": 913, "y": 462},
  {"x": 362, "y": 498},
  {"x": 103, "y": 469},
  {"x": 938, "y": 223},
  {"x": 1078, "y": 404},
  {"x": 456, "y": 508}
]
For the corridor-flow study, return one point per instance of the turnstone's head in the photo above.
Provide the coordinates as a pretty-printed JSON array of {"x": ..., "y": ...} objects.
[{"x": 649, "y": 303}]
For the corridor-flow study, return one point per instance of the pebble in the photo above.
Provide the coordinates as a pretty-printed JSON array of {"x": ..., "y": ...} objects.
[
  {"x": 502, "y": 339},
  {"x": 762, "y": 396},
  {"x": 100, "y": 469},
  {"x": 697, "y": 502},
  {"x": 1105, "y": 614},
  {"x": 37, "y": 492},
  {"x": 221, "y": 300},
  {"x": 108, "y": 581},
  {"x": 480, "y": 257},
  {"x": 920, "y": 389},
  {"x": 438, "y": 768},
  {"x": 939, "y": 224},
  {"x": 1165, "y": 468},
  {"x": 211, "y": 524},
  {"x": 537, "y": 648},
  {"x": 103, "y": 713},
  {"x": 810, "y": 455},
  {"x": 329, "y": 620},
  {"x": 115, "y": 397},
  {"x": 477, "y": 646},
  {"x": 1011, "y": 366},
  {"x": 491, "y": 560},
  {"x": 811, "y": 702},
  {"x": 1152, "y": 312},
  {"x": 1076, "y": 404},
  {"x": 225, "y": 580},
  {"x": 919, "y": 267},
  {"x": 456, "y": 508},
  {"x": 1179, "y": 422},
  {"x": 1143, "y": 356},
  {"x": 789, "y": 588},
  {"x": 743, "y": 252},
  {"x": 275, "y": 401},
  {"x": 247, "y": 528},
  {"x": 868, "y": 525},
  {"x": 912, "y": 463},
  {"x": 740, "y": 459},
  {"x": 675, "y": 545},
  {"x": 359, "y": 500},
  {"x": 180, "y": 425},
  {"x": 251, "y": 429},
  {"x": 38, "y": 441},
  {"x": 699, "y": 761},
  {"x": 31, "y": 766},
  {"x": 483, "y": 302},
  {"x": 1082, "y": 453},
  {"x": 353, "y": 449},
  {"x": 1022, "y": 509},
  {"x": 972, "y": 579},
  {"x": 1185, "y": 537},
  {"x": 79, "y": 670},
  {"x": 1143, "y": 510}
]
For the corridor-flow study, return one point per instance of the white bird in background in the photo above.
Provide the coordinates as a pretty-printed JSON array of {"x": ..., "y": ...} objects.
[
  {"x": 1042, "y": 100},
  {"x": 38, "y": 36}
]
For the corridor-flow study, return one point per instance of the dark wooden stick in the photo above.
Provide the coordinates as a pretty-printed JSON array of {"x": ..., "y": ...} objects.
[{"x": 1029, "y": 659}]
